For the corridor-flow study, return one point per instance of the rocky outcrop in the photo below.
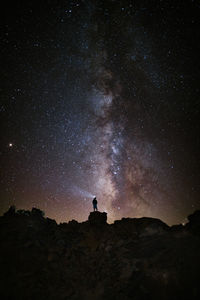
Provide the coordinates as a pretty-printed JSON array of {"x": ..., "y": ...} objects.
[
  {"x": 194, "y": 222},
  {"x": 97, "y": 218},
  {"x": 131, "y": 259}
]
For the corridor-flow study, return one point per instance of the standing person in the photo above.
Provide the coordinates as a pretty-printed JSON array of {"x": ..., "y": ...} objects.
[{"x": 94, "y": 202}]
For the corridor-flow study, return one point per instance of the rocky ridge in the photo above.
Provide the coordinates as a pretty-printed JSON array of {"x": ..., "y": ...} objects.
[{"x": 131, "y": 259}]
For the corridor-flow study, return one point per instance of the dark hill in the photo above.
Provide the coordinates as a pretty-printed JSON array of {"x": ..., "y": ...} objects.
[{"x": 131, "y": 259}]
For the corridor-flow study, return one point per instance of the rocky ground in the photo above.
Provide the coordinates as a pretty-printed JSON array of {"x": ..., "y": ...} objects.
[{"x": 130, "y": 259}]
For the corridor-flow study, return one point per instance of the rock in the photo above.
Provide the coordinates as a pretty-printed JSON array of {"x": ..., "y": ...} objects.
[
  {"x": 195, "y": 217},
  {"x": 73, "y": 223},
  {"x": 37, "y": 212},
  {"x": 11, "y": 211},
  {"x": 151, "y": 226},
  {"x": 139, "y": 227},
  {"x": 139, "y": 258},
  {"x": 97, "y": 218},
  {"x": 194, "y": 222}
]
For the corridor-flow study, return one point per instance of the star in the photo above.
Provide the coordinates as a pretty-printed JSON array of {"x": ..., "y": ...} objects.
[{"x": 98, "y": 98}]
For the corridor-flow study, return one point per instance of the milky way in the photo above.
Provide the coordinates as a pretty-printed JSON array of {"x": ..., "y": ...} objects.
[{"x": 101, "y": 98}]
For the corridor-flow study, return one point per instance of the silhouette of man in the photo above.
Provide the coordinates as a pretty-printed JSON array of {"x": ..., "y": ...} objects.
[{"x": 94, "y": 202}]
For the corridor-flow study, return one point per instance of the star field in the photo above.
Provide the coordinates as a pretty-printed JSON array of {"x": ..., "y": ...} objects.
[{"x": 101, "y": 98}]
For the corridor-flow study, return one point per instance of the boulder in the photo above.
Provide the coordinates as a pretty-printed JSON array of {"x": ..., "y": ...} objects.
[
  {"x": 36, "y": 212},
  {"x": 150, "y": 226},
  {"x": 97, "y": 218}
]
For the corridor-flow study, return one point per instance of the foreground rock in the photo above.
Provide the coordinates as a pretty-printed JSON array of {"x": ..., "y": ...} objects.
[
  {"x": 97, "y": 218},
  {"x": 130, "y": 259}
]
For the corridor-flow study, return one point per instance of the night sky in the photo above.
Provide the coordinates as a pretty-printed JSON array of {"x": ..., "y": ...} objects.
[{"x": 100, "y": 98}]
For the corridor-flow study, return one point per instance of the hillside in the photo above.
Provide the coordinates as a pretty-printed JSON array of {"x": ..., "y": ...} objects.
[{"x": 130, "y": 259}]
